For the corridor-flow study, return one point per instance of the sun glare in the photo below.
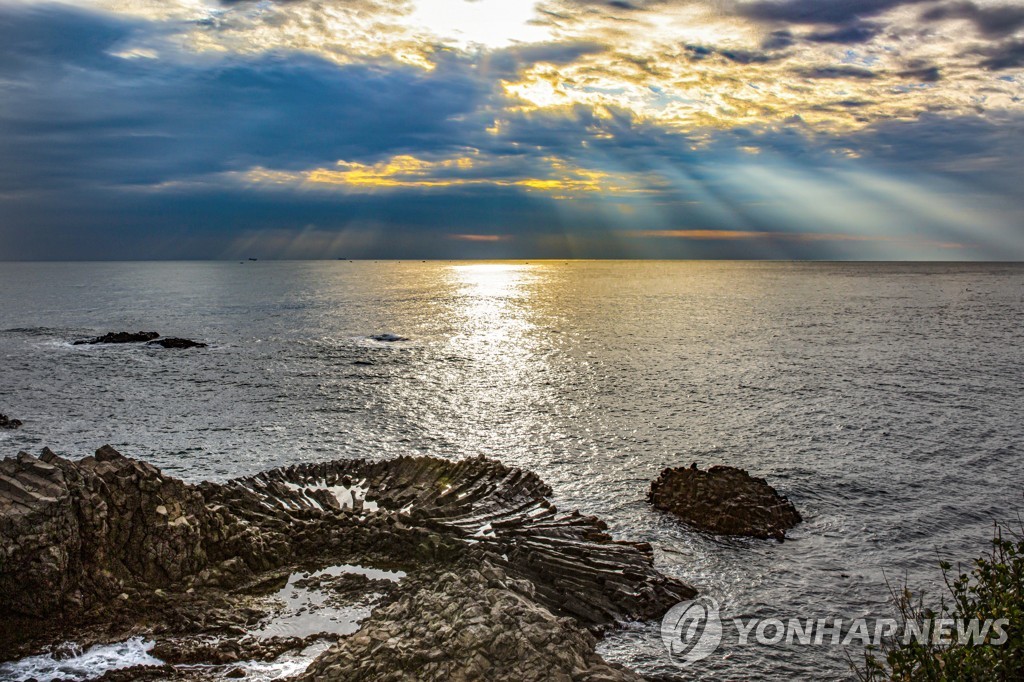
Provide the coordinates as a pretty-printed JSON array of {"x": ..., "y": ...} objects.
[{"x": 491, "y": 23}]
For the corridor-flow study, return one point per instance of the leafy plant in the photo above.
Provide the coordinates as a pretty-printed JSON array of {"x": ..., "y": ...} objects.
[{"x": 991, "y": 589}]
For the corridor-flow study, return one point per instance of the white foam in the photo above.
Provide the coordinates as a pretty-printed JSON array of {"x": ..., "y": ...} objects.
[
  {"x": 81, "y": 665},
  {"x": 281, "y": 668}
]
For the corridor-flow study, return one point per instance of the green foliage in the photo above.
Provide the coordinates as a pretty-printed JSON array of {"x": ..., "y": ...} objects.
[{"x": 992, "y": 588}]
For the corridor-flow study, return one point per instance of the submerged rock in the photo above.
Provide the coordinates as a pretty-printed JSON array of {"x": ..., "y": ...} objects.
[
  {"x": 724, "y": 500},
  {"x": 494, "y": 570},
  {"x": 8, "y": 423},
  {"x": 388, "y": 338},
  {"x": 171, "y": 342},
  {"x": 119, "y": 337}
]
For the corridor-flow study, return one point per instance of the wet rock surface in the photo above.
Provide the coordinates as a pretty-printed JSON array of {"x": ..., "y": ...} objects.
[
  {"x": 108, "y": 548},
  {"x": 9, "y": 423},
  {"x": 471, "y": 623},
  {"x": 119, "y": 337},
  {"x": 724, "y": 500},
  {"x": 176, "y": 343}
]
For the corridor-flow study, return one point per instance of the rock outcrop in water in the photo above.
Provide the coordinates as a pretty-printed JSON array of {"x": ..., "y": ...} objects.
[
  {"x": 119, "y": 337},
  {"x": 388, "y": 338},
  {"x": 724, "y": 500},
  {"x": 499, "y": 580},
  {"x": 9, "y": 423},
  {"x": 172, "y": 342},
  {"x": 149, "y": 338}
]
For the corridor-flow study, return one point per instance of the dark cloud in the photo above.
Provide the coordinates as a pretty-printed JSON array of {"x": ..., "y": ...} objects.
[
  {"x": 509, "y": 61},
  {"x": 78, "y": 114},
  {"x": 860, "y": 32},
  {"x": 104, "y": 156},
  {"x": 45, "y": 37},
  {"x": 992, "y": 21},
  {"x": 1006, "y": 55},
  {"x": 699, "y": 52},
  {"x": 836, "y": 72},
  {"x": 778, "y": 40},
  {"x": 923, "y": 74},
  {"x": 839, "y": 12}
]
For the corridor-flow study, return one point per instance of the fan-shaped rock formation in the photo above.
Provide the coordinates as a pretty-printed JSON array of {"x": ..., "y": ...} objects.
[{"x": 112, "y": 544}]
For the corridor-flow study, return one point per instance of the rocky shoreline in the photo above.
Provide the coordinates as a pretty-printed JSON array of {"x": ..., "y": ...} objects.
[{"x": 497, "y": 583}]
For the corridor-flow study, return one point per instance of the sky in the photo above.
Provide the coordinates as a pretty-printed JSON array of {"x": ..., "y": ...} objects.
[{"x": 818, "y": 129}]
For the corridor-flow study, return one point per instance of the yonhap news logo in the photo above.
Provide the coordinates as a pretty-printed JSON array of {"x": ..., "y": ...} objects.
[{"x": 693, "y": 630}]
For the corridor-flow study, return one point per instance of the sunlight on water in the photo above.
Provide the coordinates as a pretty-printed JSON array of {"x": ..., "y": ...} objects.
[{"x": 873, "y": 395}]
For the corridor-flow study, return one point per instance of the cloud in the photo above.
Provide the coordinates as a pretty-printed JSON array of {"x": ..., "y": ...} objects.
[
  {"x": 179, "y": 129},
  {"x": 839, "y": 12},
  {"x": 76, "y": 113},
  {"x": 804, "y": 237},
  {"x": 1006, "y": 55},
  {"x": 857, "y": 32},
  {"x": 993, "y": 21},
  {"x": 836, "y": 72},
  {"x": 922, "y": 73}
]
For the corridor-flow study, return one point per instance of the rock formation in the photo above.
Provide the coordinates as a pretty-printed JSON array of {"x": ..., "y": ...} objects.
[
  {"x": 463, "y": 625},
  {"x": 8, "y": 423},
  {"x": 500, "y": 583},
  {"x": 171, "y": 342},
  {"x": 119, "y": 337},
  {"x": 724, "y": 500}
]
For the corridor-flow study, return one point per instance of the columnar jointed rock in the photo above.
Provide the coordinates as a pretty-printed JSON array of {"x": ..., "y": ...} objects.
[
  {"x": 463, "y": 625},
  {"x": 84, "y": 539},
  {"x": 119, "y": 337},
  {"x": 8, "y": 423},
  {"x": 578, "y": 568},
  {"x": 73, "y": 534},
  {"x": 724, "y": 500}
]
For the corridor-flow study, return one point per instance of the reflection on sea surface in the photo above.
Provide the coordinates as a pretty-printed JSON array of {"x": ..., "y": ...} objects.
[{"x": 876, "y": 396}]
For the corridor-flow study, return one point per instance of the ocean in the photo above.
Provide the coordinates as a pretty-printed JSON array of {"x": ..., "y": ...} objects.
[{"x": 883, "y": 399}]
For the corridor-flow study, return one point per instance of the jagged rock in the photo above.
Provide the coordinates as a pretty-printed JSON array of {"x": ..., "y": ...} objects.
[
  {"x": 578, "y": 569},
  {"x": 72, "y": 534},
  {"x": 724, "y": 500},
  {"x": 8, "y": 423},
  {"x": 465, "y": 624},
  {"x": 119, "y": 337},
  {"x": 172, "y": 342},
  {"x": 492, "y": 563}
]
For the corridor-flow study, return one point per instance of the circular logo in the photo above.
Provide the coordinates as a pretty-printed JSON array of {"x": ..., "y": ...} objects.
[{"x": 692, "y": 630}]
